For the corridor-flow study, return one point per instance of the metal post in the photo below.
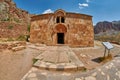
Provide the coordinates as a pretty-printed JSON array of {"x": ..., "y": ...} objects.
[
  {"x": 108, "y": 52},
  {"x": 105, "y": 52}
]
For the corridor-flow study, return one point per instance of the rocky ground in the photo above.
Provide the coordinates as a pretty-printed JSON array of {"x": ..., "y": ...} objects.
[
  {"x": 90, "y": 56},
  {"x": 109, "y": 71},
  {"x": 15, "y": 64},
  {"x": 14, "y": 22}
]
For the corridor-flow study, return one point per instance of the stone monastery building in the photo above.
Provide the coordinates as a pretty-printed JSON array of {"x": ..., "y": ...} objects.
[{"x": 60, "y": 27}]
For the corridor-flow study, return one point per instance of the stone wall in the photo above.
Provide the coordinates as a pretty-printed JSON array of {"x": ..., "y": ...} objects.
[
  {"x": 10, "y": 45},
  {"x": 81, "y": 30},
  {"x": 77, "y": 29}
]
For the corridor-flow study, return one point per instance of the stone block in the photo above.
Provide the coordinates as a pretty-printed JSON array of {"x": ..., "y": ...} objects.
[{"x": 18, "y": 48}]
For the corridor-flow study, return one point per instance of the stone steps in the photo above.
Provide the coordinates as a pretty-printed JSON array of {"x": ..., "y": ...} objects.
[
  {"x": 58, "y": 67},
  {"x": 59, "y": 58}
]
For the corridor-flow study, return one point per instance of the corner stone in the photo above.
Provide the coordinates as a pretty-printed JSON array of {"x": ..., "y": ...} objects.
[{"x": 90, "y": 78}]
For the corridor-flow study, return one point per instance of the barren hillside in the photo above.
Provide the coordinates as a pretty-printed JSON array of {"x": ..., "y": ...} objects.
[{"x": 13, "y": 21}]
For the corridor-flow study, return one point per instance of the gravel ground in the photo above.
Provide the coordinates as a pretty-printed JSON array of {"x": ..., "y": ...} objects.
[
  {"x": 14, "y": 65},
  {"x": 89, "y": 56}
]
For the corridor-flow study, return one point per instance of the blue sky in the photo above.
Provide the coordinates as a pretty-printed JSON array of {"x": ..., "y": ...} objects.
[{"x": 101, "y": 10}]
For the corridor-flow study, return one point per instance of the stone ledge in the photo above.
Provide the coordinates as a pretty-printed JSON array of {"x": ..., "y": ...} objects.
[
  {"x": 10, "y": 45},
  {"x": 57, "y": 67},
  {"x": 18, "y": 48}
]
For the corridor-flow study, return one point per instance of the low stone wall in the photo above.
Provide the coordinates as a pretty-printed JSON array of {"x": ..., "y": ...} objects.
[{"x": 11, "y": 45}]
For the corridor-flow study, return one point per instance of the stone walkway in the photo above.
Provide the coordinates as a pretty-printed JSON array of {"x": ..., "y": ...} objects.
[
  {"x": 58, "y": 58},
  {"x": 109, "y": 71}
]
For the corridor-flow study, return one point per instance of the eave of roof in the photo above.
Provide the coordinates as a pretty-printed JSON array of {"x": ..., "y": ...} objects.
[
  {"x": 66, "y": 13},
  {"x": 79, "y": 14}
]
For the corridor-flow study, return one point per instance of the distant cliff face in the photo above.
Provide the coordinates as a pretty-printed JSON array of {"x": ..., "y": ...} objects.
[
  {"x": 105, "y": 26},
  {"x": 13, "y": 21},
  {"x": 9, "y": 12},
  {"x": 108, "y": 31}
]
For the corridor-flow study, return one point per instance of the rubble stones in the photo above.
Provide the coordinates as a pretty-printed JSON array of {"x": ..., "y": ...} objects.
[
  {"x": 17, "y": 45},
  {"x": 18, "y": 48}
]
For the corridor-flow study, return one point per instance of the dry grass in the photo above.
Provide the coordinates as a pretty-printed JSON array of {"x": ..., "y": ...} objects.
[
  {"x": 106, "y": 58},
  {"x": 115, "y": 38}
]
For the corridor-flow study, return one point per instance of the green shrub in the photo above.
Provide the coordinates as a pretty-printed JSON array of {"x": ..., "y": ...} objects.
[
  {"x": 21, "y": 38},
  {"x": 28, "y": 28},
  {"x": 16, "y": 20},
  {"x": 84, "y": 70},
  {"x": 34, "y": 60},
  {"x": 27, "y": 38},
  {"x": 10, "y": 39},
  {"x": 6, "y": 19},
  {"x": 10, "y": 27}
]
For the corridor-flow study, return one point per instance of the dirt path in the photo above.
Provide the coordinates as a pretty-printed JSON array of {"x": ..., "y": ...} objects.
[{"x": 14, "y": 65}]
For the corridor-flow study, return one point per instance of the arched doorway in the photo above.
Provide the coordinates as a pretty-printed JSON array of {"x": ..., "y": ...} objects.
[
  {"x": 60, "y": 38},
  {"x": 60, "y": 30}
]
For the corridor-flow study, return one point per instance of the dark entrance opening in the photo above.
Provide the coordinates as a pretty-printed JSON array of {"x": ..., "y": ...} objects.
[{"x": 60, "y": 38}]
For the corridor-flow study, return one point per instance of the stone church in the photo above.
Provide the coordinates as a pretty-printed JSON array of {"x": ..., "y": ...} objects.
[{"x": 61, "y": 27}]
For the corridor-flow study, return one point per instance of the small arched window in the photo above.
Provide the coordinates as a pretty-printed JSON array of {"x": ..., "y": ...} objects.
[
  {"x": 58, "y": 20},
  {"x": 62, "y": 20}
]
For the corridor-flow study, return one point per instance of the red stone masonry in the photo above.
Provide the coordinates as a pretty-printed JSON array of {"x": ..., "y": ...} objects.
[{"x": 60, "y": 27}]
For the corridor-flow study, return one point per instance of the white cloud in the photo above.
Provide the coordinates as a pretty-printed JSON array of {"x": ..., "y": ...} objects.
[
  {"x": 47, "y": 11},
  {"x": 81, "y": 6}
]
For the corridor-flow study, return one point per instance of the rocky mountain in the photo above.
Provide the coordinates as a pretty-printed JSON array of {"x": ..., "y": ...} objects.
[
  {"x": 108, "y": 31},
  {"x": 13, "y": 21},
  {"x": 106, "y": 27}
]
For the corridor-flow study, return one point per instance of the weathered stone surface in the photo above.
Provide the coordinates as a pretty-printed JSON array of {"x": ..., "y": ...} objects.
[
  {"x": 12, "y": 45},
  {"x": 77, "y": 29},
  {"x": 13, "y": 21},
  {"x": 90, "y": 78},
  {"x": 18, "y": 48}
]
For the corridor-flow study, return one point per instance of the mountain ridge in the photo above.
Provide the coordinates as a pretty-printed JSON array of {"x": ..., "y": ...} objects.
[{"x": 105, "y": 26}]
